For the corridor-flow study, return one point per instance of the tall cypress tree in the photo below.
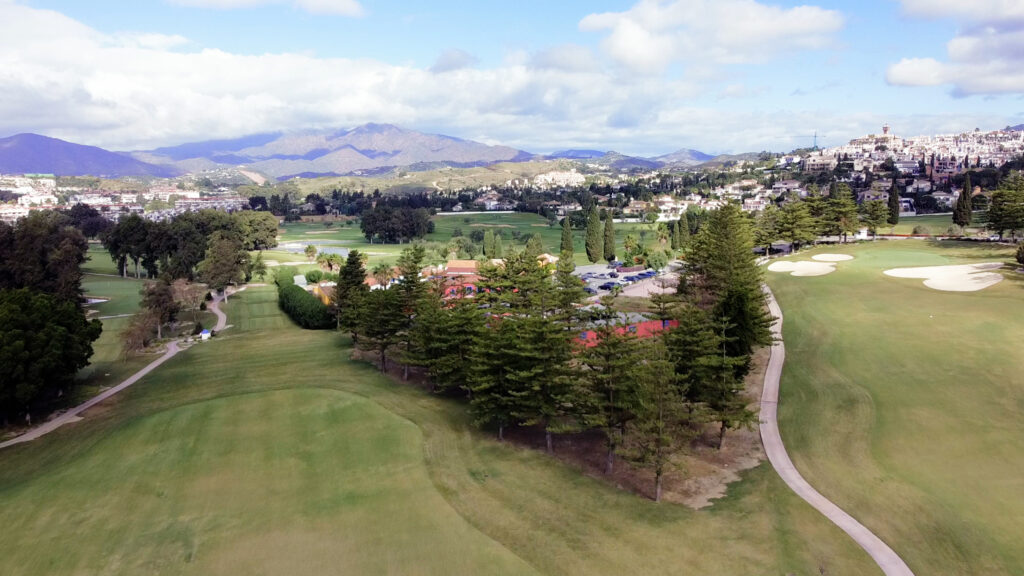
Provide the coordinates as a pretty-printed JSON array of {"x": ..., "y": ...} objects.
[
  {"x": 962, "y": 211},
  {"x": 499, "y": 251},
  {"x": 609, "y": 239},
  {"x": 894, "y": 202},
  {"x": 683, "y": 230},
  {"x": 595, "y": 245},
  {"x": 567, "y": 235},
  {"x": 489, "y": 244}
]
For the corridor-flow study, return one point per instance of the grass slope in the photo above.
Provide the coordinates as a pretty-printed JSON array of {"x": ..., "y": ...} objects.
[
  {"x": 902, "y": 403},
  {"x": 266, "y": 451}
]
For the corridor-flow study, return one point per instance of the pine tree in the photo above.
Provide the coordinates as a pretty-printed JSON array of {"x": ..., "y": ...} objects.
[
  {"x": 443, "y": 336},
  {"x": 381, "y": 322},
  {"x": 594, "y": 242},
  {"x": 796, "y": 224},
  {"x": 349, "y": 292},
  {"x": 894, "y": 201},
  {"x": 609, "y": 239},
  {"x": 841, "y": 215},
  {"x": 534, "y": 246},
  {"x": 410, "y": 290},
  {"x": 962, "y": 214},
  {"x": 567, "y": 235},
  {"x": 658, "y": 430},
  {"x": 723, "y": 261},
  {"x": 604, "y": 392}
]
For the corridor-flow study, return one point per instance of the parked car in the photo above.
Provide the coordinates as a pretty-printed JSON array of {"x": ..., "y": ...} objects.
[
  {"x": 607, "y": 285},
  {"x": 589, "y": 290},
  {"x": 613, "y": 274}
]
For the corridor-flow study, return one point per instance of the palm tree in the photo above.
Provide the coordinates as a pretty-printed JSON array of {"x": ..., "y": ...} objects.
[{"x": 382, "y": 273}]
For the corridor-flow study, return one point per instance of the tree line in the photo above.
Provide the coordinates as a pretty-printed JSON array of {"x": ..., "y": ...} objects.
[
  {"x": 516, "y": 352},
  {"x": 178, "y": 246},
  {"x": 45, "y": 337}
]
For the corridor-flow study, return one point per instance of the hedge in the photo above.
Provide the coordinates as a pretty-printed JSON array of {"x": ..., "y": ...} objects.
[{"x": 303, "y": 308}]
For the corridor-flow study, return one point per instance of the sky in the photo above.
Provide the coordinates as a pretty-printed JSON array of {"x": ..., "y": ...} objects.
[{"x": 641, "y": 77}]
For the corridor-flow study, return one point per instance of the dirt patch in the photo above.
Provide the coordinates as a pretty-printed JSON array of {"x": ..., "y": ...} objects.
[
  {"x": 491, "y": 226},
  {"x": 956, "y": 278},
  {"x": 257, "y": 178},
  {"x": 803, "y": 268}
]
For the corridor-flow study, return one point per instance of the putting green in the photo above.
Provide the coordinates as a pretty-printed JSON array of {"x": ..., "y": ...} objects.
[{"x": 902, "y": 403}]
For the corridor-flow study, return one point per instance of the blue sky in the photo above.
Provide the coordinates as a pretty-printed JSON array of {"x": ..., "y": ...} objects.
[{"x": 643, "y": 77}]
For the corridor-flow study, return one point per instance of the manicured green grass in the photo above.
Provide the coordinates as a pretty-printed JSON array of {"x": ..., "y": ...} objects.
[
  {"x": 267, "y": 451},
  {"x": 526, "y": 224},
  {"x": 123, "y": 294},
  {"x": 937, "y": 224},
  {"x": 903, "y": 404},
  {"x": 99, "y": 261}
]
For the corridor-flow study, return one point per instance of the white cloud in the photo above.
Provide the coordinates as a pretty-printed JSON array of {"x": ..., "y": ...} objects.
[
  {"x": 652, "y": 34},
  {"x": 337, "y": 7},
  {"x": 973, "y": 10},
  {"x": 986, "y": 57},
  {"x": 137, "y": 91},
  {"x": 567, "y": 57},
  {"x": 451, "y": 60}
]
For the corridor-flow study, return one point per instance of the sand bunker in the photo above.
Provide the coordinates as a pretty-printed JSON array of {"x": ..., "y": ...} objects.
[
  {"x": 804, "y": 268},
  {"x": 832, "y": 257},
  {"x": 957, "y": 278}
]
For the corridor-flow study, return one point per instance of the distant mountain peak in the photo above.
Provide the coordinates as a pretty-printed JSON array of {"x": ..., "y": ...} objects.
[{"x": 368, "y": 147}]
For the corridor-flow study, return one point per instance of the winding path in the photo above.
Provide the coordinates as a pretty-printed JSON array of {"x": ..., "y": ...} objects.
[
  {"x": 890, "y": 563},
  {"x": 73, "y": 415}
]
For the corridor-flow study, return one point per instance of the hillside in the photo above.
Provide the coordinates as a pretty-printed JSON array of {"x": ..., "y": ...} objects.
[
  {"x": 32, "y": 153},
  {"x": 365, "y": 149}
]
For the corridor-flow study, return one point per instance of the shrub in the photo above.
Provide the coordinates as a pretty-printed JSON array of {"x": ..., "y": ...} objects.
[
  {"x": 1020, "y": 255},
  {"x": 197, "y": 328},
  {"x": 314, "y": 276},
  {"x": 921, "y": 230},
  {"x": 303, "y": 308},
  {"x": 202, "y": 306}
]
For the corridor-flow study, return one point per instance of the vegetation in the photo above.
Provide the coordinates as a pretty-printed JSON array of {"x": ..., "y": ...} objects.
[
  {"x": 920, "y": 444},
  {"x": 44, "y": 335},
  {"x": 303, "y": 308},
  {"x": 354, "y": 473}
]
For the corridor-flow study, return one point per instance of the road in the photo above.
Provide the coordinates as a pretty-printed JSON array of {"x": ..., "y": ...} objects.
[{"x": 890, "y": 563}]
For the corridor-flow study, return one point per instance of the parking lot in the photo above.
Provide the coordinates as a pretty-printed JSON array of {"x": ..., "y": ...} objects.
[{"x": 602, "y": 278}]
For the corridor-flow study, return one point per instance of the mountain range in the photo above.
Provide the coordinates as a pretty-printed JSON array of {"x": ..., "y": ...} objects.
[
  {"x": 35, "y": 154},
  {"x": 364, "y": 150}
]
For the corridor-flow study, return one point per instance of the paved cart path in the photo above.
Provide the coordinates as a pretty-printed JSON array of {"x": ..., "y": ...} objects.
[
  {"x": 883, "y": 555},
  {"x": 74, "y": 414}
]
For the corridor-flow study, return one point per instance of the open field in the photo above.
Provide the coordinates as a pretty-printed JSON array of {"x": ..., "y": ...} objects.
[
  {"x": 267, "y": 451},
  {"x": 527, "y": 224},
  {"x": 901, "y": 403},
  {"x": 937, "y": 224}
]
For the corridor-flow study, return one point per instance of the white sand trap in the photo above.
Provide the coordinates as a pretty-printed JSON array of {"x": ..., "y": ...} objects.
[
  {"x": 804, "y": 268},
  {"x": 832, "y": 257},
  {"x": 957, "y": 278}
]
